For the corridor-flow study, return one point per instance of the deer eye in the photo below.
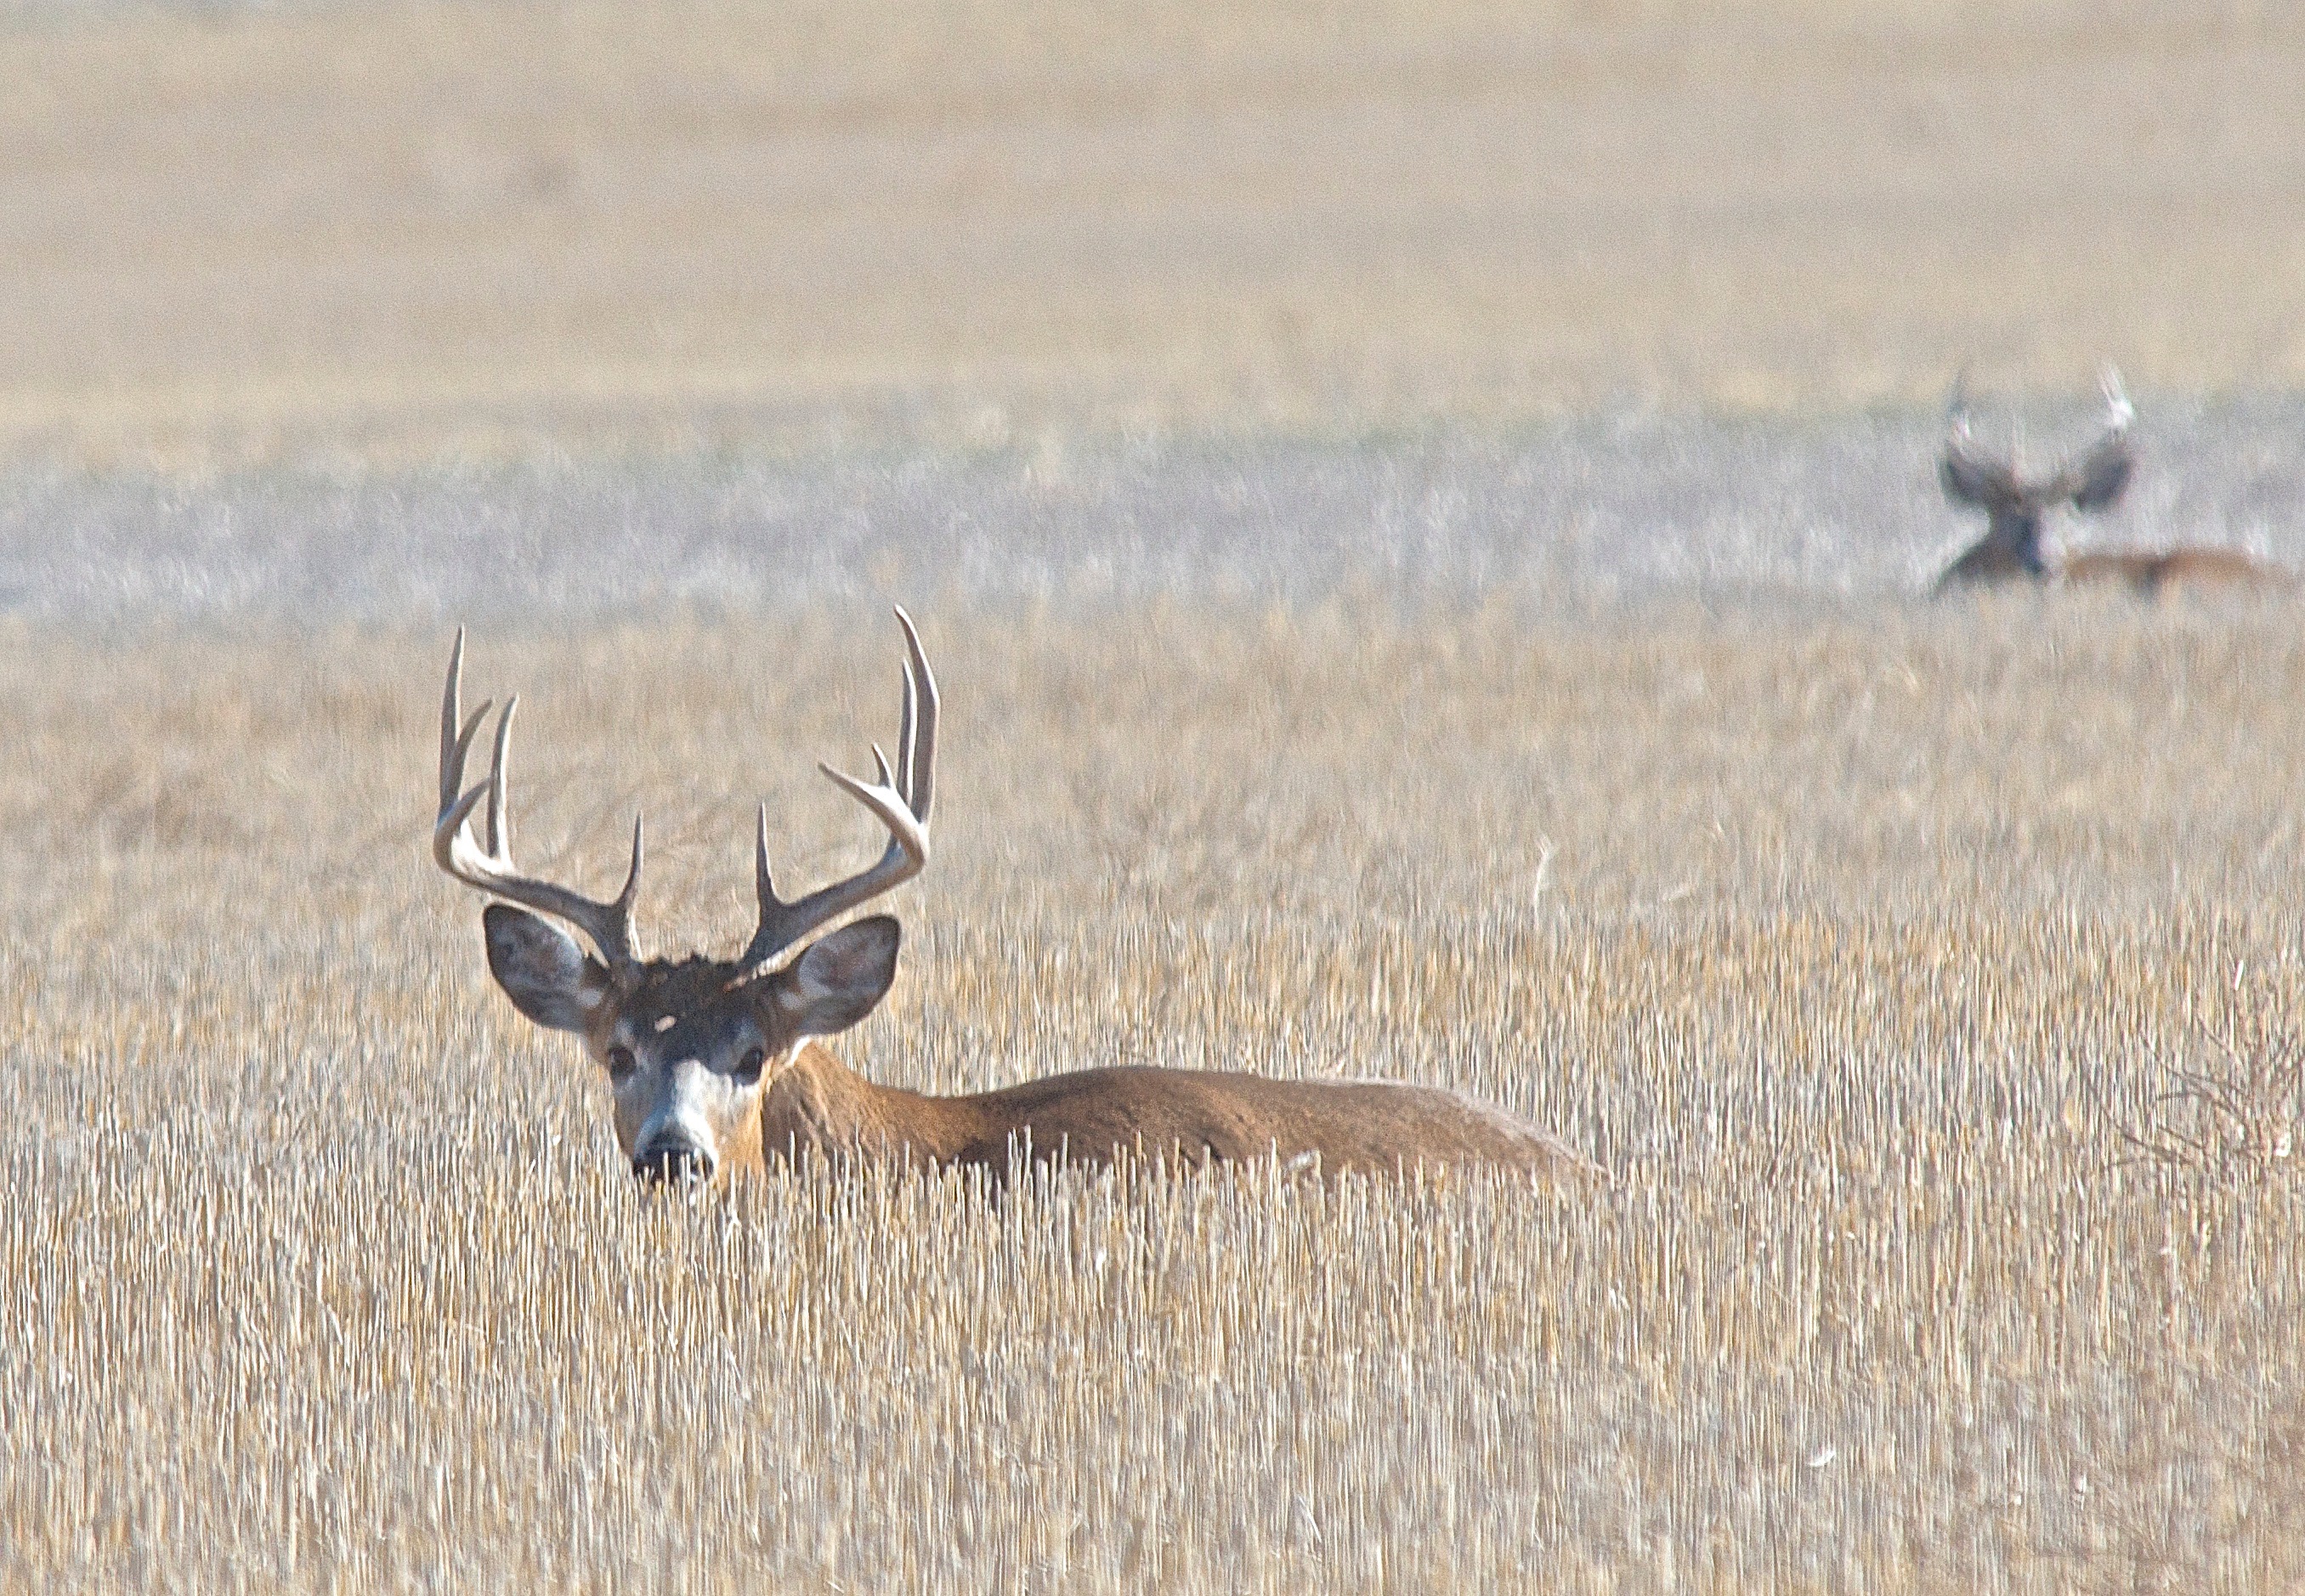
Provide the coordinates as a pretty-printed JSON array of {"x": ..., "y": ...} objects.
[
  {"x": 749, "y": 1067},
  {"x": 621, "y": 1063}
]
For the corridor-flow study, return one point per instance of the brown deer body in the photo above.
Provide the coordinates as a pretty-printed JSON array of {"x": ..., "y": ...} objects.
[
  {"x": 2149, "y": 574},
  {"x": 2016, "y": 504},
  {"x": 817, "y": 1105},
  {"x": 718, "y": 1069}
]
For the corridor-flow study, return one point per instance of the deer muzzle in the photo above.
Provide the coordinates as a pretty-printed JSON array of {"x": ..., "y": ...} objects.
[{"x": 674, "y": 1163}]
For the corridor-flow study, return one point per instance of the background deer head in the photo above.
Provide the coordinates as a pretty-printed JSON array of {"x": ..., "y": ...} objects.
[{"x": 2013, "y": 503}]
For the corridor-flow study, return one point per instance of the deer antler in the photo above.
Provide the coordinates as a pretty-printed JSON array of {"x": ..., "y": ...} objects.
[
  {"x": 900, "y": 802},
  {"x": 1968, "y": 477},
  {"x": 610, "y": 924},
  {"x": 2095, "y": 478}
]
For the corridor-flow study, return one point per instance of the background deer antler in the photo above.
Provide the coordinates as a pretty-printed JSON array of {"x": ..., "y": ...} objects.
[
  {"x": 1968, "y": 477},
  {"x": 2096, "y": 478}
]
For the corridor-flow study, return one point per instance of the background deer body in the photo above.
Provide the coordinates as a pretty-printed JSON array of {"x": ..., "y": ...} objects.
[
  {"x": 2148, "y": 573},
  {"x": 718, "y": 1068},
  {"x": 2015, "y": 504}
]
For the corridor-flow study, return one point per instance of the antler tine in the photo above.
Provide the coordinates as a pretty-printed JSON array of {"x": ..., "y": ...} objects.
[
  {"x": 456, "y": 744},
  {"x": 2119, "y": 411},
  {"x": 763, "y": 883},
  {"x": 499, "y": 784},
  {"x": 1960, "y": 439},
  {"x": 490, "y": 870},
  {"x": 920, "y": 727},
  {"x": 904, "y": 737},
  {"x": 899, "y": 801},
  {"x": 629, "y": 894}
]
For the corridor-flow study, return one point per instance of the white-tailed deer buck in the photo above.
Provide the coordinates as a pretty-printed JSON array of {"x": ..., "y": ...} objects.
[
  {"x": 2091, "y": 480},
  {"x": 715, "y": 1064}
]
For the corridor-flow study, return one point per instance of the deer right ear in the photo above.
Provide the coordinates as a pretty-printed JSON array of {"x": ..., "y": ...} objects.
[
  {"x": 838, "y": 980},
  {"x": 547, "y": 976}
]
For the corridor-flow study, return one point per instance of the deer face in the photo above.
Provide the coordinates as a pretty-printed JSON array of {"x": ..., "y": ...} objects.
[
  {"x": 689, "y": 1046},
  {"x": 2014, "y": 503}
]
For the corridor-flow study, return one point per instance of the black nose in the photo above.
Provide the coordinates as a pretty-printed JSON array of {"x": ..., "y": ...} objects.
[{"x": 673, "y": 1161}]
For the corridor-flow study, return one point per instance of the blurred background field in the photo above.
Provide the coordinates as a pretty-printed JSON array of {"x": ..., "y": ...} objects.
[
  {"x": 1419, "y": 514},
  {"x": 228, "y": 232}
]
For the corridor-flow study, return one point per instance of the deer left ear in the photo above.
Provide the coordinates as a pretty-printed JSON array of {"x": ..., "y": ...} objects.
[
  {"x": 836, "y": 982},
  {"x": 541, "y": 969}
]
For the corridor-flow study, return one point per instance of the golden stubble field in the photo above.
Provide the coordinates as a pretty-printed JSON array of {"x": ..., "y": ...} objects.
[{"x": 1865, "y": 948}]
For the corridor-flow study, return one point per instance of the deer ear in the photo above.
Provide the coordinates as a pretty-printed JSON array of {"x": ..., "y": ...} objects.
[
  {"x": 838, "y": 980},
  {"x": 547, "y": 976}
]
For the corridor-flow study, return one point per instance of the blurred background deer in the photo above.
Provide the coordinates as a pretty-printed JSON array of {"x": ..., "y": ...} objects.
[{"x": 2091, "y": 482}]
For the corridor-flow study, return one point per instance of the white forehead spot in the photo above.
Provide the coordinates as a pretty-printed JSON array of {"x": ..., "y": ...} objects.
[{"x": 665, "y": 1023}]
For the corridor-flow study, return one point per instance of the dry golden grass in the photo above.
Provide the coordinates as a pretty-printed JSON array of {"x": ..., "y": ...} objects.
[
  {"x": 392, "y": 228},
  {"x": 1865, "y": 948}
]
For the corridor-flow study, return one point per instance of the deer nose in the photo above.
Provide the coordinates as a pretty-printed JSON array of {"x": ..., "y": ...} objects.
[{"x": 673, "y": 1161}]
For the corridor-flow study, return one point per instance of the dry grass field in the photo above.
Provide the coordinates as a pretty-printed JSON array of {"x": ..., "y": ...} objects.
[{"x": 1928, "y": 976}]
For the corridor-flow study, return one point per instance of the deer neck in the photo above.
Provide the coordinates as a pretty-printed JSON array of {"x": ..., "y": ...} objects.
[{"x": 817, "y": 1104}]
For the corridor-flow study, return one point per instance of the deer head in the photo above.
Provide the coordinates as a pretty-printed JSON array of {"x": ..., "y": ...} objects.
[
  {"x": 689, "y": 1044},
  {"x": 2013, "y": 503}
]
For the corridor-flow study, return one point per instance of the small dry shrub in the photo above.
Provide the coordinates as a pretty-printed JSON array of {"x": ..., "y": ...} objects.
[{"x": 2234, "y": 1117}]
